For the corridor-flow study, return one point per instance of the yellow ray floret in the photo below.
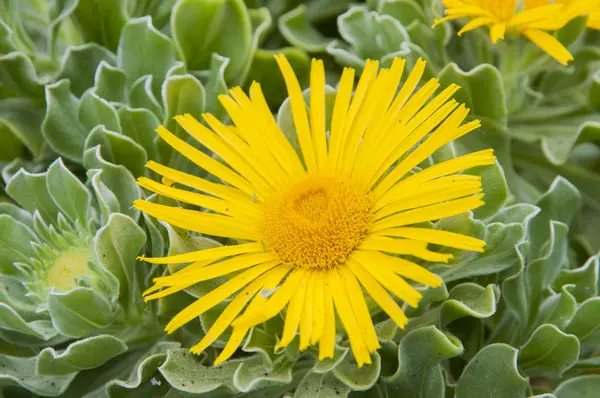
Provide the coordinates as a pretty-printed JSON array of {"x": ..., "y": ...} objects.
[
  {"x": 531, "y": 18},
  {"x": 321, "y": 226}
]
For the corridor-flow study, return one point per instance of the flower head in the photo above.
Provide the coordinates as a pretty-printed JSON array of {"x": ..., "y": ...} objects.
[
  {"x": 320, "y": 228},
  {"x": 533, "y": 20}
]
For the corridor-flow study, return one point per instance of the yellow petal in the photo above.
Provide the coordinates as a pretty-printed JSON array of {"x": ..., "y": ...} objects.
[
  {"x": 549, "y": 44},
  {"x": 436, "y": 236},
  {"x": 346, "y": 314},
  {"x": 378, "y": 293},
  {"x": 317, "y": 111},
  {"x": 299, "y": 113}
]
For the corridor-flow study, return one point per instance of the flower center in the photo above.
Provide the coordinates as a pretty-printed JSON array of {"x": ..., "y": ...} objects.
[
  {"x": 317, "y": 222},
  {"x": 67, "y": 266}
]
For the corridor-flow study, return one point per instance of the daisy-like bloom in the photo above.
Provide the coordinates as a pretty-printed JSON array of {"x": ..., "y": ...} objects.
[
  {"x": 318, "y": 229},
  {"x": 533, "y": 20}
]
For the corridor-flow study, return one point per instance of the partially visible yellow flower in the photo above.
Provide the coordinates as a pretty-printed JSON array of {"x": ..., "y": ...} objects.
[
  {"x": 320, "y": 230},
  {"x": 533, "y": 20}
]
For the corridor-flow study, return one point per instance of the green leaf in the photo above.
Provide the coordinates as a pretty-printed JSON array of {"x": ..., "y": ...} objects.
[
  {"x": 61, "y": 127},
  {"x": 186, "y": 372},
  {"x": 79, "y": 312},
  {"x": 469, "y": 299},
  {"x": 482, "y": 91},
  {"x": 265, "y": 71},
  {"x": 548, "y": 351},
  {"x": 182, "y": 94},
  {"x": 358, "y": 379},
  {"x": 497, "y": 365},
  {"x": 110, "y": 82},
  {"x": 11, "y": 320},
  {"x": 321, "y": 385},
  {"x": 215, "y": 85},
  {"x": 139, "y": 125},
  {"x": 18, "y": 74},
  {"x": 560, "y": 203},
  {"x": 101, "y": 21},
  {"x": 116, "y": 247},
  {"x": 557, "y": 309},
  {"x": 582, "y": 386},
  {"x": 118, "y": 149},
  {"x": 82, "y": 354},
  {"x": 94, "y": 111},
  {"x": 252, "y": 374},
  {"x": 499, "y": 254},
  {"x": 583, "y": 279},
  {"x": 21, "y": 372},
  {"x": 80, "y": 63},
  {"x": 20, "y": 119},
  {"x": 370, "y": 35},
  {"x": 141, "y": 42},
  {"x": 419, "y": 355},
  {"x": 15, "y": 243},
  {"x": 117, "y": 190},
  {"x": 297, "y": 30},
  {"x": 141, "y": 96},
  {"x": 141, "y": 375},
  {"x": 405, "y": 11},
  {"x": 494, "y": 186},
  {"x": 544, "y": 270},
  {"x": 586, "y": 322},
  {"x": 30, "y": 191},
  {"x": 201, "y": 28},
  {"x": 182, "y": 241},
  {"x": 70, "y": 195}
]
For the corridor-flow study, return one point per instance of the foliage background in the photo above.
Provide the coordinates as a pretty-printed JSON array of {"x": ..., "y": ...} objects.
[{"x": 83, "y": 84}]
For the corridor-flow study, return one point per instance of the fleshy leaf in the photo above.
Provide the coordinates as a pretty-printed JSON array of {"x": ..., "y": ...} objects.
[
  {"x": 296, "y": 28},
  {"x": 61, "y": 127},
  {"x": 20, "y": 121},
  {"x": 253, "y": 375},
  {"x": 141, "y": 95},
  {"x": 497, "y": 365},
  {"x": 30, "y": 191},
  {"x": 419, "y": 356},
  {"x": 139, "y": 125},
  {"x": 79, "y": 312},
  {"x": 82, "y": 354},
  {"x": 548, "y": 350},
  {"x": 265, "y": 71},
  {"x": 11, "y": 320},
  {"x": 118, "y": 149},
  {"x": 120, "y": 189},
  {"x": 21, "y": 372},
  {"x": 186, "y": 372},
  {"x": 94, "y": 111},
  {"x": 576, "y": 387},
  {"x": 110, "y": 82},
  {"x": 469, "y": 299},
  {"x": 69, "y": 194},
  {"x": 370, "y": 35},
  {"x": 583, "y": 279},
  {"x": 80, "y": 63},
  {"x": 15, "y": 243},
  {"x": 116, "y": 246},
  {"x": 586, "y": 324},
  {"x": 321, "y": 385},
  {"x": 141, "y": 42},
  {"x": 19, "y": 75},
  {"x": 101, "y": 21},
  {"x": 201, "y": 28},
  {"x": 358, "y": 379}
]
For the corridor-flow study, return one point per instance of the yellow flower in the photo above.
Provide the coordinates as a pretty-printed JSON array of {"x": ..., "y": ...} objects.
[
  {"x": 533, "y": 21},
  {"x": 317, "y": 230}
]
